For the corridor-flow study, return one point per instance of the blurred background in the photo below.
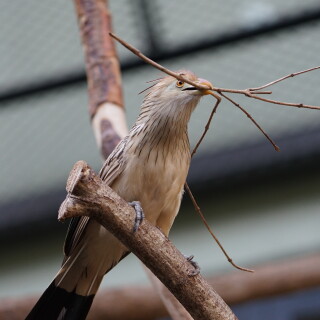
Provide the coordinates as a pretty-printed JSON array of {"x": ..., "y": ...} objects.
[{"x": 263, "y": 205}]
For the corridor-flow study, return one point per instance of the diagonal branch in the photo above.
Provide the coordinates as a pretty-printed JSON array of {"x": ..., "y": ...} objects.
[
  {"x": 89, "y": 196},
  {"x": 214, "y": 110},
  {"x": 103, "y": 73},
  {"x": 157, "y": 65},
  {"x": 283, "y": 78},
  {"x": 198, "y": 210},
  {"x": 271, "y": 279}
]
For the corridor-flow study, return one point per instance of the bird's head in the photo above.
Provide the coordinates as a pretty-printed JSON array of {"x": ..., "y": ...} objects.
[
  {"x": 169, "y": 88},
  {"x": 172, "y": 101}
]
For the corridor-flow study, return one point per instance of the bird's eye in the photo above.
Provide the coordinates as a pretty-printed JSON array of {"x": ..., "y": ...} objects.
[{"x": 179, "y": 84}]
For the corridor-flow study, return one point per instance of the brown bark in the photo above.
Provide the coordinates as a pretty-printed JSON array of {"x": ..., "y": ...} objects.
[
  {"x": 237, "y": 287},
  {"x": 173, "y": 306},
  {"x": 102, "y": 64},
  {"x": 88, "y": 195},
  {"x": 103, "y": 73}
]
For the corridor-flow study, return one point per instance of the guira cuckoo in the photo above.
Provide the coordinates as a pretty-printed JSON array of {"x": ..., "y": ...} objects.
[{"x": 149, "y": 165}]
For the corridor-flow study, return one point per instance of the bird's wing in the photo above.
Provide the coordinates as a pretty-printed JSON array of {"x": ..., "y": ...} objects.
[{"x": 110, "y": 170}]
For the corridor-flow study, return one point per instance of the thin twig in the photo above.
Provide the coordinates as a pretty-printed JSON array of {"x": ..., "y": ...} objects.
[
  {"x": 254, "y": 121},
  {"x": 207, "y": 124},
  {"x": 157, "y": 65},
  {"x": 290, "y": 104},
  {"x": 251, "y": 93},
  {"x": 284, "y": 78},
  {"x": 262, "y": 92},
  {"x": 197, "y": 208}
]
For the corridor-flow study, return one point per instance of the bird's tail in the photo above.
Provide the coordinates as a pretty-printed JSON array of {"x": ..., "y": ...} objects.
[
  {"x": 58, "y": 304},
  {"x": 70, "y": 295}
]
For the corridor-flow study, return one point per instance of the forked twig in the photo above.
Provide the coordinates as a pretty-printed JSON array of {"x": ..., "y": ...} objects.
[
  {"x": 284, "y": 78},
  {"x": 250, "y": 92},
  {"x": 200, "y": 87},
  {"x": 194, "y": 202}
]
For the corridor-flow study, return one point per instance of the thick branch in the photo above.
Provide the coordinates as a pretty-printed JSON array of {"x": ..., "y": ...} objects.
[
  {"x": 103, "y": 74},
  {"x": 269, "y": 280},
  {"x": 88, "y": 195},
  {"x": 101, "y": 60},
  {"x": 173, "y": 306}
]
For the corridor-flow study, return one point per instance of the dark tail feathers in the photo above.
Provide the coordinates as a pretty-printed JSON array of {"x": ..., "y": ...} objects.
[{"x": 58, "y": 304}]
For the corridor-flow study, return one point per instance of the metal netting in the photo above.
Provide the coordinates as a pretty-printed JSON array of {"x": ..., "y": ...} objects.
[{"x": 44, "y": 134}]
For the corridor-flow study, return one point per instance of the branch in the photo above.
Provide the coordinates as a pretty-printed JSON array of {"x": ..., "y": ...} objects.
[
  {"x": 284, "y": 78},
  {"x": 198, "y": 210},
  {"x": 88, "y": 195},
  {"x": 103, "y": 74},
  {"x": 251, "y": 92},
  {"x": 269, "y": 280},
  {"x": 207, "y": 126},
  {"x": 173, "y": 306},
  {"x": 157, "y": 65},
  {"x": 272, "y": 279}
]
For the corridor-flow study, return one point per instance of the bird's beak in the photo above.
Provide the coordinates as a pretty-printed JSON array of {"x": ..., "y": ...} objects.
[
  {"x": 207, "y": 83},
  {"x": 202, "y": 82}
]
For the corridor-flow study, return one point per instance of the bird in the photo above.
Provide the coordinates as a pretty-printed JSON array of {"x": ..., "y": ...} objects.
[{"x": 148, "y": 168}]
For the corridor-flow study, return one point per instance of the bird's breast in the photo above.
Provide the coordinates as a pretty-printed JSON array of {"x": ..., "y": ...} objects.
[{"x": 155, "y": 177}]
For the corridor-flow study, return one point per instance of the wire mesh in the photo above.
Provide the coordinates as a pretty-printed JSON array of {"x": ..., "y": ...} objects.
[{"x": 44, "y": 134}]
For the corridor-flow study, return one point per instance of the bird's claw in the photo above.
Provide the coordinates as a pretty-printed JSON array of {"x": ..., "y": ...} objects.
[
  {"x": 136, "y": 205},
  {"x": 196, "y": 270}
]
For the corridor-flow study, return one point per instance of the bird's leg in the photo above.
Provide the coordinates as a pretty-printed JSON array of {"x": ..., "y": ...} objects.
[
  {"x": 136, "y": 205},
  {"x": 196, "y": 270}
]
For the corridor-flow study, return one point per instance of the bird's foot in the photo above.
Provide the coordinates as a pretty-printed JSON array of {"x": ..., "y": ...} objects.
[
  {"x": 136, "y": 205},
  {"x": 196, "y": 270}
]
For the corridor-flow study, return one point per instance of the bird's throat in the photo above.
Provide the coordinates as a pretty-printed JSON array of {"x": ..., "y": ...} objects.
[{"x": 163, "y": 130}]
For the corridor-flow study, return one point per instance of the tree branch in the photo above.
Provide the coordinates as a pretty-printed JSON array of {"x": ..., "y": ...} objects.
[
  {"x": 173, "y": 306},
  {"x": 157, "y": 65},
  {"x": 291, "y": 75},
  {"x": 103, "y": 74},
  {"x": 269, "y": 280},
  {"x": 250, "y": 92},
  {"x": 102, "y": 65},
  {"x": 88, "y": 195}
]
